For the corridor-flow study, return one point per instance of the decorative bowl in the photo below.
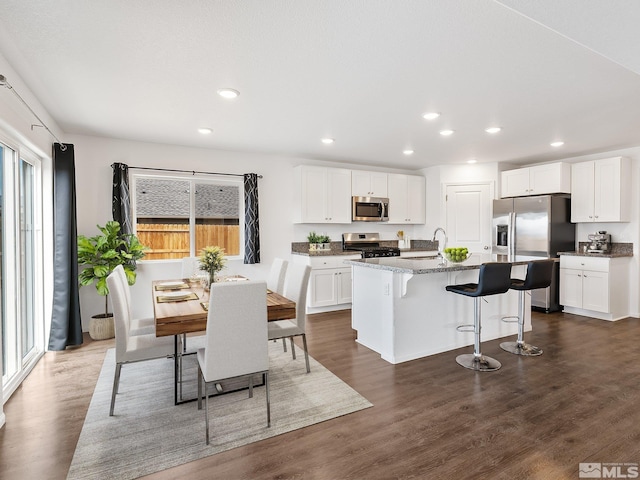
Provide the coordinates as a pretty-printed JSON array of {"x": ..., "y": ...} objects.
[{"x": 457, "y": 255}]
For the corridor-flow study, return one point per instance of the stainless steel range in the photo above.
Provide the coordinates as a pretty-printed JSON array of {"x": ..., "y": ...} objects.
[{"x": 368, "y": 244}]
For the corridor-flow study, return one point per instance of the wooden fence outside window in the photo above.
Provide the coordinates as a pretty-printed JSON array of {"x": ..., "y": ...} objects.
[{"x": 167, "y": 241}]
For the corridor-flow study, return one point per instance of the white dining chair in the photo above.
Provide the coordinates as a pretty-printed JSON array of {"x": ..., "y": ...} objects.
[
  {"x": 190, "y": 267},
  {"x": 137, "y": 326},
  {"x": 131, "y": 348},
  {"x": 236, "y": 343},
  {"x": 295, "y": 288},
  {"x": 275, "y": 282}
]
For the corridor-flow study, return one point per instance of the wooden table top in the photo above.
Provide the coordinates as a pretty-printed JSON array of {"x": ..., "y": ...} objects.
[{"x": 175, "y": 318}]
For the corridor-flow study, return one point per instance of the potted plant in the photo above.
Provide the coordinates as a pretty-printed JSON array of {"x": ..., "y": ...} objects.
[
  {"x": 212, "y": 260},
  {"x": 318, "y": 242},
  {"x": 100, "y": 255}
]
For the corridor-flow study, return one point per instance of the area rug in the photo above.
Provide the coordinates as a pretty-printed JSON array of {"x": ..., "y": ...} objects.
[{"x": 148, "y": 433}]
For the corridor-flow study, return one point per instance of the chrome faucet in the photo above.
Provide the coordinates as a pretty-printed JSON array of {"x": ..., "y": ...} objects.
[{"x": 441, "y": 245}]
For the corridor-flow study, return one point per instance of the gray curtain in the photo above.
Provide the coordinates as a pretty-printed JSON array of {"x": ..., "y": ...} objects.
[
  {"x": 66, "y": 324},
  {"x": 251, "y": 220},
  {"x": 120, "y": 201}
]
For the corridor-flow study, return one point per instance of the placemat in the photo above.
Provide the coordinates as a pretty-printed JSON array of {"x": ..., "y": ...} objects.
[{"x": 163, "y": 299}]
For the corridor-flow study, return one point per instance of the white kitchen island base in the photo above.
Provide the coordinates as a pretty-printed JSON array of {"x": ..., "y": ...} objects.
[{"x": 404, "y": 316}]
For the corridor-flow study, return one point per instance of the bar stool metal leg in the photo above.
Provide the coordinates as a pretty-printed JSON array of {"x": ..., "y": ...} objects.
[
  {"x": 477, "y": 361},
  {"x": 520, "y": 347}
]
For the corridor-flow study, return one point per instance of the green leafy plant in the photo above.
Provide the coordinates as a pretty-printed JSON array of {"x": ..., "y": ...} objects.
[
  {"x": 212, "y": 260},
  {"x": 315, "y": 238},
  {"x": 104, "y": 252}
]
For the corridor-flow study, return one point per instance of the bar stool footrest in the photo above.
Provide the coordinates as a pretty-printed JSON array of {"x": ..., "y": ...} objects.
[
  {"x": 511, "y": 319},
  {"x": 466, "y": 328}
]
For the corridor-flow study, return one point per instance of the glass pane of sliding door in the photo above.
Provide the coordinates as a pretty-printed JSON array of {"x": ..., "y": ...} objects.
[
  {"x": 21, "y": 258},
  {"x": 27, "y": 258},
  {"x": 3, "y": 299}
]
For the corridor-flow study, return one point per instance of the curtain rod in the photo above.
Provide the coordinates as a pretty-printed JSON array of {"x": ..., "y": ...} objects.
[
  {"x": 5, "y": 83},
  {"x": 193, "y": 172}
]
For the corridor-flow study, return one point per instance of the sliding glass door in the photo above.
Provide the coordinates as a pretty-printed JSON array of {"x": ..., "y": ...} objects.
[{"x": 20, "y": 273}]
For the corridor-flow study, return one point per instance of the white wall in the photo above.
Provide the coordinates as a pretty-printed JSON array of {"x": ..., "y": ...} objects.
[{"x": 94, "y": 156}]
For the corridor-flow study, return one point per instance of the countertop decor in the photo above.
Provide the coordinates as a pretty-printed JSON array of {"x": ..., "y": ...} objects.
[{"x": 616, "y": 250}]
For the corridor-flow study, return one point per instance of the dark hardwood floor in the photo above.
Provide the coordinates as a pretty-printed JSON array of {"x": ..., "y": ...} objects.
[{"x": 535, "y": 418}]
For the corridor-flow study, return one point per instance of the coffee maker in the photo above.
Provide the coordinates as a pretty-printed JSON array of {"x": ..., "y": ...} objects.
[{"x": 599, "y": 242}]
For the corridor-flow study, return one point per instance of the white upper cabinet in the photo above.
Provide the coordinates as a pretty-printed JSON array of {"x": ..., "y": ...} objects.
[
  {"x": 406, "y": 199},
  {"x": 536, "y": 180},
  {"x": 368, "y": 184},
  {"x": 601, "y": 191},
  {"x": 322, "y": 195}
]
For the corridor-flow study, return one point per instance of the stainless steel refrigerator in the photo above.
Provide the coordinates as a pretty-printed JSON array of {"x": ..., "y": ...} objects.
[{"x": 539, "y": 227}]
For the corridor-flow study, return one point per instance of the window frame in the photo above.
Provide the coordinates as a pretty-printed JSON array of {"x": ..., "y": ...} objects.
[
  {"x": 12, "y": 268},
  {"x": 193, "y": 179}
]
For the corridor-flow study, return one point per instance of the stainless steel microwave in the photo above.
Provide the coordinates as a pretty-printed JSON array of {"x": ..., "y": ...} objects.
[{"x": 370, "y": 209}]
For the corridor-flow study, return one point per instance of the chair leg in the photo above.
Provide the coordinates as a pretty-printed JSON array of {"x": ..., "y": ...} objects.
[
  {"x": 266, "y": 386},
  {"x": 199, "y": 387},
  {"x": 306, "y": 352},
  {"x": 206, "y": 412},
  {"x": 284, "y": 344},
  {"x": 293, "y": 348},
  {"x": 477, "y": 361},
  {"x": 116, "y": 385},
  {"x": 520, "y": 347}
]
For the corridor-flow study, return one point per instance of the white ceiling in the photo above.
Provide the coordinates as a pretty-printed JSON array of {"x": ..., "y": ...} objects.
[{"x": 360, "y": 71}]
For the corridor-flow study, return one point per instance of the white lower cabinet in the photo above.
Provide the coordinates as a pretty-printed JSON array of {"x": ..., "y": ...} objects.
[
  {"x": 329, "y": 282},
  {"x": 330, "y": 286},
  {"x": 586, "y": 289}
]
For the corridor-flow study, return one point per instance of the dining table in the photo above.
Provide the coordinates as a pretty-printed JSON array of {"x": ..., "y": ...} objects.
[{"x": 180, "y": 306}]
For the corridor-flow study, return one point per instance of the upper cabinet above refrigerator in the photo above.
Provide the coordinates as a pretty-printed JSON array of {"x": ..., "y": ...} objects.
[{"x": 536, "y": 180}]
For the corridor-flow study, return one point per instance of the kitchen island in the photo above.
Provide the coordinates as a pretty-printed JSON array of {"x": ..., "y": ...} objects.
[{"x": 401, "y": 310}]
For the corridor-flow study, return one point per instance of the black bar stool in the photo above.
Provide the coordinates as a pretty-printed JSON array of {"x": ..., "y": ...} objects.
[
  {"x": 539, "y": 275},
  {"x": 494, "y": 278}
]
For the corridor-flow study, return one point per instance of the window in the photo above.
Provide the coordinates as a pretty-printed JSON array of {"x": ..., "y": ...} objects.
[
  {"x": 21, "y": 270},
  {"x": 178, "y": 216}
]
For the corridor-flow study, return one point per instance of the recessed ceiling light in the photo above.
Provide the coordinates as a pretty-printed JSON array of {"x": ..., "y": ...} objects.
[
  {"x": 408, "y": 151},
  {"x": 328, "y": 141},
  {"x": 228, "y": 93},
  {"x": 557, "y": 144},
  {"x": 493, "y": 129},
  {"x": 446, "y": 133},
  {"x": 431, "y": 115},
  {"x": 472, "y": 160},
  {"x": 205, "y": 130}
]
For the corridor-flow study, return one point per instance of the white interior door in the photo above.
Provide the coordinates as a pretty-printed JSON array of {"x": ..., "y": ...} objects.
[{"x": 468, "y": 216}]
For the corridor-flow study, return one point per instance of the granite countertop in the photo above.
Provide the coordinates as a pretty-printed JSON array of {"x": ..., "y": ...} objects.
[
  {"x": 616, "y": 250},
  {"x": 422, "y": 266},
  {"x": 302, "y": 248}
]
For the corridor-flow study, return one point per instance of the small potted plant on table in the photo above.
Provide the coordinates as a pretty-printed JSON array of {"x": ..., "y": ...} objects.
[{"x": 212, "y": 260}]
